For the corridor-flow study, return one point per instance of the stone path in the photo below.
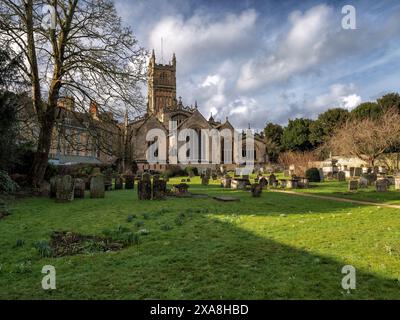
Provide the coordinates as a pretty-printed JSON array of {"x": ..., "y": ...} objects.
[{"x": 393, "y": 206}]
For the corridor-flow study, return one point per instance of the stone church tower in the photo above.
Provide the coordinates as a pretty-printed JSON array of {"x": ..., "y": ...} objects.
[{"x": 161, "y": 82}]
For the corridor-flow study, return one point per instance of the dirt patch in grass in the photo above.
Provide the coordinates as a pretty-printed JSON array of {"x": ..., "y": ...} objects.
[{"x": 64, "y": 243}]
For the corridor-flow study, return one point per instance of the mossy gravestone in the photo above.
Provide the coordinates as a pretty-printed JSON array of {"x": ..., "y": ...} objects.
[
  {"x": 144, "y": 187},
  {"x": 97, "y": 189},
  {"x": 119, "y": 183},
  {"x": 79, "y": 191},
  {"x": 159, "y": 188},
  {"x": 64, "y": 189}
]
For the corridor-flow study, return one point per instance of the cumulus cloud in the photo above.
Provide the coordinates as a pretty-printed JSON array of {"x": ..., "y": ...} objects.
[
  {"x": 254, "y": 66},
  {"x": 300, "y": 49},
  {"x": 202, "y": 37},
  {"x": 339, "y": 95}
]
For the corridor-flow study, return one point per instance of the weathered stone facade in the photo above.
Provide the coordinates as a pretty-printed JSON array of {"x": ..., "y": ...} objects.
[{"x": 167, "y": 113}]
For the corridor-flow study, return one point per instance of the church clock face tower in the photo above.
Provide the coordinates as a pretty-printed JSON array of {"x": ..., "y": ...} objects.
[{"x": 161, "y": 84}]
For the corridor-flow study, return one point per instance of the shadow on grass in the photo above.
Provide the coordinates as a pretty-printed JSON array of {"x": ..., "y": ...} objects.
[{"x": 204, "y": 258}]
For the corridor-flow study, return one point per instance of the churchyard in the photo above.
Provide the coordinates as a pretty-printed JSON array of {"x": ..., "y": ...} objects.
[{"x": 202, "y": 237}]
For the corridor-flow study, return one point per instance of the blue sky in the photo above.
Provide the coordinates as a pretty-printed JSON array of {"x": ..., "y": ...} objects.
[{"x": 261, "y": 61}]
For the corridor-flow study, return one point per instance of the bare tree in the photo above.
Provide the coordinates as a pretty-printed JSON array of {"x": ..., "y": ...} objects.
[
  {"x": 367, "y": 139},
  {"x": 83, "y": 52}
]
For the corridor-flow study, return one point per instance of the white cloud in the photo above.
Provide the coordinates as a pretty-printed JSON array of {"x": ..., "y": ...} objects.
[
  {"x": 339, "y": 95},
  {"x": 202, "y": 37},
  {"x": 300, "y": 49}
]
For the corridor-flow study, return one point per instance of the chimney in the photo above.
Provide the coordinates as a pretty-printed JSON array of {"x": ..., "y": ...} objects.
[{"x": 94, "y": 110}]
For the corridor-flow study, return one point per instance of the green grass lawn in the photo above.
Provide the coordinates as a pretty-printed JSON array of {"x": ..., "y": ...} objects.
[
  {"x": 340, "y": 189},
  {"x": 278, "y": 246}
]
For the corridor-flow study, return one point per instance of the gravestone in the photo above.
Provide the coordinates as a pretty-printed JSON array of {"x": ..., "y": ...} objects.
[
  {"x": 291, "y": 184},
  {"x": 159, "y": 188},
  {"x": 256, "y": 190},
  {"x": 222, "y": 169},
  {"x": 64, "y": 189},
  {"x": 226, "y": 182},
  {"x": 353, "y": 185},
  {"x": 205, "y": 180},
  {"x": 271, "y": 179},
  {"x": 381, "y": 185},
  {"x": 397, "y": 183},
  {"x": 97, "y": 189},
  {"x": 341, "y": 176},
  {"x": 119, "y": 183},
  {"x": 214, "y": 176},
  {"x": 263, "y": 182},
  {"x": 129, "y": 181},
  {"x": 144, "y": 187},
  {"x": 321, "y": 174},
  {"x": 371, "y": 177},
  {"x": 79, "y": 191},
  {"x": 283, "y": 183},
  {"x": 191, "y": 174},
  {"x": 363, "y": 182},
  {"x": 180, "y": 190}
]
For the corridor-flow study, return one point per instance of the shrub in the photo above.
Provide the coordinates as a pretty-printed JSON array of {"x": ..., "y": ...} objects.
[
  {"x": 51, "y": 171},
  {"x": 7, "y": 185},
  {"x": 312, "y": 175},
  {"x": 44, "y": 249},
  {"x": 174, "y": 171},
  {"x": 191, "y": 169}
]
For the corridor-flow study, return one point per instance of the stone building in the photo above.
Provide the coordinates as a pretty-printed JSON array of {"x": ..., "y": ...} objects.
[
  {"x": 81, "y": 137},
  {"x": 169, "y": 115}
]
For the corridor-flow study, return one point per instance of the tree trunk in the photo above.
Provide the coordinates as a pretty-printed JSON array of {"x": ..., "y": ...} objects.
[{"x": 40, "y": 160}]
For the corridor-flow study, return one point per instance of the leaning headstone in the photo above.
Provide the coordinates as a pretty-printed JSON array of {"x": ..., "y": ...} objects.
[
  {"x": 353, "y": 185},
  {"x": 79, "y": 191},
  {"x": 64, "y": 189},
  {"x": 97, "y": 189},
  {"x": 159, "y": 188},
  {"x": 118, "y": 183},
  {"x": 381, "y": 185},
  {"x": 341, "y": 176},
  {"x": 144, "y": 187},
  {"x": 256, "y": 190}
]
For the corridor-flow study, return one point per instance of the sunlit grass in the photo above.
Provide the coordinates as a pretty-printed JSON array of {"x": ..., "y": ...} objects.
[{"x": 276, "y": 246}]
